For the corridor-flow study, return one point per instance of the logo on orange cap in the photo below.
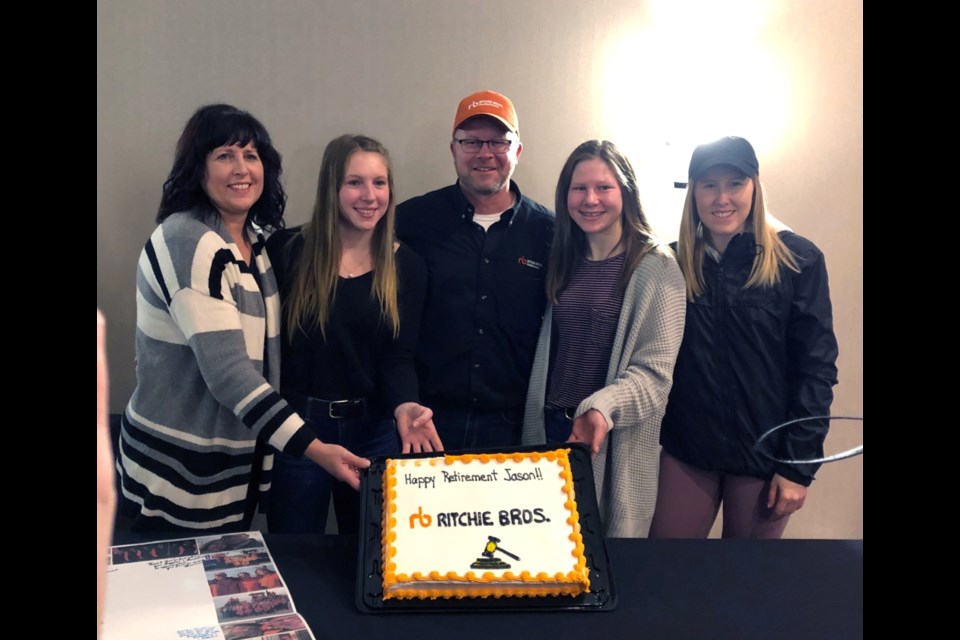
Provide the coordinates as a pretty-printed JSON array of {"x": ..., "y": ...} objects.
[{"x": 487, "y": 103}]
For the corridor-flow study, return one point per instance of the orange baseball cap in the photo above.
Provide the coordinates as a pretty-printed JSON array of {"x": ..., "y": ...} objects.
[{"x": 487, "y": 103}]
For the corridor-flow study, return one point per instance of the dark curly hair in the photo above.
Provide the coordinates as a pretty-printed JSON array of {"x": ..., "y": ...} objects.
[{"x": 212, "y": 126}]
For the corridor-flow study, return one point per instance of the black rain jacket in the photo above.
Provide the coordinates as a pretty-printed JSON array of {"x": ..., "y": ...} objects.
[{"x": 751, "y": 359}]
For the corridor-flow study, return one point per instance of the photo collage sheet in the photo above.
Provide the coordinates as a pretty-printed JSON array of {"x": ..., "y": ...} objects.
[{"x": 224, "y": 587}]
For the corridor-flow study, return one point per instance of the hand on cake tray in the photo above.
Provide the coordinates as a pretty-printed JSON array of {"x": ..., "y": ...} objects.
[
  {"x": 590, "y": 429},
  {"x": 418, "y": 434},
  {"x": 339, "y": 462}
]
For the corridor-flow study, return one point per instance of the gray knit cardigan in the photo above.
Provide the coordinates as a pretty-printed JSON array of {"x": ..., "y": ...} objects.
[{"x": 634, "y": 399}]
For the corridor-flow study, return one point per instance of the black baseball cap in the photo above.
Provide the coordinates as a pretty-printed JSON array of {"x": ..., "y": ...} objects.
[{"x": 731, "y": 150}]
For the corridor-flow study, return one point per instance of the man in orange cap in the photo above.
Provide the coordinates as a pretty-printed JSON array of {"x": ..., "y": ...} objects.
[{"x": 486, "y": 246}]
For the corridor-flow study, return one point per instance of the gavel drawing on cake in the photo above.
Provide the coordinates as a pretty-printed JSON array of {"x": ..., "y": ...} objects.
[{"x": 492, "y": 545}]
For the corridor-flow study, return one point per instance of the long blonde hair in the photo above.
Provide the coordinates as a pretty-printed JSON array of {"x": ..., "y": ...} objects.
[
  {"x": 771, "y": 251},
  {"x": 570, "y": 242},
  {"x": 315, "y": 280}
]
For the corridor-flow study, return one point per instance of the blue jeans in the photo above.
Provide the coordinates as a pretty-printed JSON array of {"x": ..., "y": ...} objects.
[
  {"x": 557, "y": 425},
  {"x": 478, "y": 428},
  {"x": 301, "y": 488}
]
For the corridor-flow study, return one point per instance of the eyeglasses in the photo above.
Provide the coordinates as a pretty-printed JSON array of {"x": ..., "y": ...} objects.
[{"x": 472, "y": 145}]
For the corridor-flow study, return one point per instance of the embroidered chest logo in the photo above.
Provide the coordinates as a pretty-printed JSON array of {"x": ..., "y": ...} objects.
[{"x": 533, "y": 264}]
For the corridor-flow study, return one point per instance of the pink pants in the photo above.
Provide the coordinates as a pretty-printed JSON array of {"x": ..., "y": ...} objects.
[{"x": 689, "y": 498}]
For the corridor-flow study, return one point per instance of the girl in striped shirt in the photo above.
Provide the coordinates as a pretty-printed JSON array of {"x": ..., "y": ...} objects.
[{"x": 609, "y": 340}]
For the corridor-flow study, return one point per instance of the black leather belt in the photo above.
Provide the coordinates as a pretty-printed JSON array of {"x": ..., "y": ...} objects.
[
  {"x": 314, "y": 408},
  {"x": 569, "y": 414}
]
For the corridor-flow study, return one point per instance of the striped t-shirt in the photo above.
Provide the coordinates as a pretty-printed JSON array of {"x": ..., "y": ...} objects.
[{"x": 585, "y": 318}]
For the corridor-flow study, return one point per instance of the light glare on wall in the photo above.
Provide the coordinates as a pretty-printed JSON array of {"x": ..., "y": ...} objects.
[{"x": 694, "y": 71}]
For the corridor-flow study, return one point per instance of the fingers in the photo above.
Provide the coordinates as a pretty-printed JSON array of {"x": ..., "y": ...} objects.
[
  {"x": 419, "y": 444},
  {"x": 407, "y": 441},
  {"x": 418, "y": 434},
  {"x": 599, "y": 433},
  {"x": 352, "y": 465},
  {"x": 412, "y": 415},
  {"x": 354, "y": 461},
  {"x": 595, "y": 449},
  {"x": 576, "y": 437},
  {"x": 431, "y": 438},
  {"x": 785, "y": 496},
  {"x": 589, "y": 430},
  {"x": 785, "y": 507},
  {"x": 596, "y": 440},
  {"x": 352, "y": 478},
  {"x": 423, "y": 417},
  {"x": 426, "y": 445}
]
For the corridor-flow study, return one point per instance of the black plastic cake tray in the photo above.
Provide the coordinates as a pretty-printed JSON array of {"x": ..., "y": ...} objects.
[{"x": 601, "y": 597}]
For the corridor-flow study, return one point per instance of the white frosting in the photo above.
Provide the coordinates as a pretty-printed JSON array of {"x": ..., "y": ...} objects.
[{"x": 523, "y": 504}]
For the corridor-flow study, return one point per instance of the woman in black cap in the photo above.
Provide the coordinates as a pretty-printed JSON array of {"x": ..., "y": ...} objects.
[{"x": 758, "y": 350}]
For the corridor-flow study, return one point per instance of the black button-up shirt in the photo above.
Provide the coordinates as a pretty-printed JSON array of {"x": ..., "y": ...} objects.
[{"x": 485, "y": 297}]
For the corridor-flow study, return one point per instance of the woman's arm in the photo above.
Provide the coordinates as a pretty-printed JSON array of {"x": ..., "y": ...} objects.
[
  {"x": 338, "y": 462},
  {"x": 398, "y": 382},
  {"x": 106, "y": 491},
  {"x": 209, "y": 298},
  {"x": 812, "y": 351}
]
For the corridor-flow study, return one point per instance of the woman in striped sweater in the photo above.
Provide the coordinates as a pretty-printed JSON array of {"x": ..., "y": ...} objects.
[
  {"x": 193, "y": 448},
  {"x": 604, "y": 362}
]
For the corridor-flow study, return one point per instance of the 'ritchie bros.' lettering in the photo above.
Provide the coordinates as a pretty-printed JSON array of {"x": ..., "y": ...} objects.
[{"x": 505, "y": 517}]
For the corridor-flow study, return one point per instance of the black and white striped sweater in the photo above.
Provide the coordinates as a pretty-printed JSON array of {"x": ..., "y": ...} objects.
[{"x": 207, "y": 346}]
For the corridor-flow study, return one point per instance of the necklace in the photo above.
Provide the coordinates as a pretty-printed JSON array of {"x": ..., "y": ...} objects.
[
  {"x": 614, "y": 249},
  {"x": 358, "y": 269},
  {"x": 609, "y": 253}
]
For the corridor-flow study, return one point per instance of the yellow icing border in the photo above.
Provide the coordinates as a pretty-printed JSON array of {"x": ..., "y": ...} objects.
[{"x": 572, "y": 583}]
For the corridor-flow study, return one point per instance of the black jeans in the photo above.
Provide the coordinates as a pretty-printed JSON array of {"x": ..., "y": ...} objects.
[
  {"x": 300, "y": 489},
  {"x": 557, "y": 425},
  {"x": 478, "y": 428}
]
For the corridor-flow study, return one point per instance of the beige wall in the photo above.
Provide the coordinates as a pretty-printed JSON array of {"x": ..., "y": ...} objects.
[{"x": 656, "y": 77}]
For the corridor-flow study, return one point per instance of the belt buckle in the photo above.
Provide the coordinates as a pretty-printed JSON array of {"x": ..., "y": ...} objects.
[
  {"x": 333, "y": 404},
  {"x": 344, "y": 404}
]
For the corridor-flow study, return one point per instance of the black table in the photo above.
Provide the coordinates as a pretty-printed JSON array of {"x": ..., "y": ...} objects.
[{"x": 711, "y": 589}]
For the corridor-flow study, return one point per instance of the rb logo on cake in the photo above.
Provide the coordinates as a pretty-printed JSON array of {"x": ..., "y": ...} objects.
[{"x": 425, "y": 519}]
